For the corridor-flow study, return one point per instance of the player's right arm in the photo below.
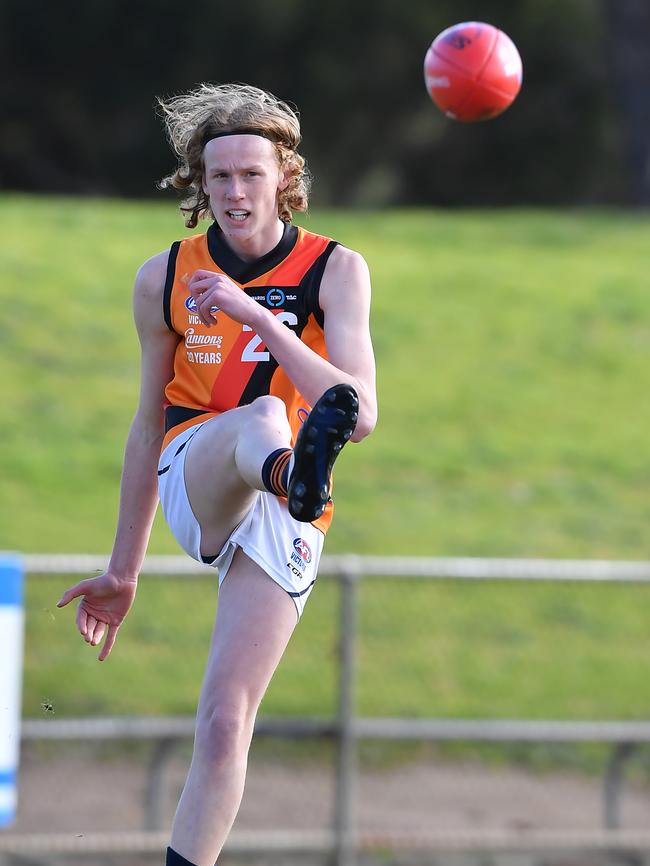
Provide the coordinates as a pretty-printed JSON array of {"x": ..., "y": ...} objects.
[{"x": 107, "y": 599}]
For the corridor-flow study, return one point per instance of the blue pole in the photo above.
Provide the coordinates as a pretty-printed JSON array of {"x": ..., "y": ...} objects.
[{"x": 11, "y": 664}]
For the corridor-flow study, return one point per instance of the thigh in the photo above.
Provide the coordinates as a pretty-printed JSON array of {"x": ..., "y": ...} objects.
[
  {"x": 217, "y": 493},
  {"x": 255, "y": 619}
]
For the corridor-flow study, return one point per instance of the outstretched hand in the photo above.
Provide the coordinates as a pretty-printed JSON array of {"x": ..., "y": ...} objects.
[{"x": 106, "y": 601}]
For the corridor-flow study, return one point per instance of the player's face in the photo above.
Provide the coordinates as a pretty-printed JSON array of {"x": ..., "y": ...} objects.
[{"x": 242, "y": 177}]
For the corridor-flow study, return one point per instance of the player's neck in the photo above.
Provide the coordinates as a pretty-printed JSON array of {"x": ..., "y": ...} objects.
[{"x": 249, "y": 249}]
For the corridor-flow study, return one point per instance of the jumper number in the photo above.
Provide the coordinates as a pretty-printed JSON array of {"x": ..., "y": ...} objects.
[{"x": 250, "y": 352}]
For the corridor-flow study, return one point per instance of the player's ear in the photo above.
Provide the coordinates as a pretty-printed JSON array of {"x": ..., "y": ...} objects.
[{"x": 283, "y": 182}]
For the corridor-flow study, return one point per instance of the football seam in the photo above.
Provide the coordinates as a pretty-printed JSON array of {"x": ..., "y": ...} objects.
[
  {"x": 502, "y": 92},
  {"x": 455, "y": 65},
  {"x": 489, "y": 57},
  {"x": 480, "y": 73}
]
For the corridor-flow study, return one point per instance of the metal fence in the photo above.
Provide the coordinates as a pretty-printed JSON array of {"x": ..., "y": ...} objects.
[{"x": 350, "y": 723}]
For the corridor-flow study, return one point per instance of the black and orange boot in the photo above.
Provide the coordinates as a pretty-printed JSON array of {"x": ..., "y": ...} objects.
[{"x": 327, "y": 428}]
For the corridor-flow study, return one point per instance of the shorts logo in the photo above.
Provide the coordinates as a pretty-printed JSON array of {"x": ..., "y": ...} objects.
[
  {"x": 295, "y": 571},
  {"x": 303, "y": 414},
  {"x": 302, "y": 549},
  {"x": 300, "y": 557},
  {"x": 275, "y": 297}
]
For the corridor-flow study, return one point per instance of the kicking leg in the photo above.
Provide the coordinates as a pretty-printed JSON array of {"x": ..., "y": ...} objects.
[
  {"x": 255, "y": 620},
  {"x": 227, "y": 458},
  {"x": 223, "y": 467}
]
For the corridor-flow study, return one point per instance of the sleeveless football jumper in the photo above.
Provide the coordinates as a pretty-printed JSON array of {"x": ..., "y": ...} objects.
[{"x": 228, "y": 365}]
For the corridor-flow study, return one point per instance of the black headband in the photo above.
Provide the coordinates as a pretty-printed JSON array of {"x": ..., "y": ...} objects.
[{"x": 209, "y": 136}]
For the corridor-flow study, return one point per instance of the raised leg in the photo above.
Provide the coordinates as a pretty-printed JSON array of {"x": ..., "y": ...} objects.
[{"x": 224, "y": 462}]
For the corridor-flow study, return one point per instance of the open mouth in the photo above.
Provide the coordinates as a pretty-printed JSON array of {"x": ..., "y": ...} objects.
[{"x": 238, "y": 216}]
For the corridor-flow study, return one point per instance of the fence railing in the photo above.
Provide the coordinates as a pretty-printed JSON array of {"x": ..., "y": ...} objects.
[
  {"x": 347, "y": 728},
  {"x": 461, "y": 568}
]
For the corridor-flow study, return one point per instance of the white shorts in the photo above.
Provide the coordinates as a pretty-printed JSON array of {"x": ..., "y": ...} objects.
[{"x": 289, "y": 551}]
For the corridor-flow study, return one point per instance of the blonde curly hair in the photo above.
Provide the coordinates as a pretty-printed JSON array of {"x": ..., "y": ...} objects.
[{"x": 193, "y": 118}]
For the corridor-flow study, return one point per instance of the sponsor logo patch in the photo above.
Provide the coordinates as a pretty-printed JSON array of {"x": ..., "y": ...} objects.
[
  {"x": 193, "y": 339},
  {"x": 295, "y": 571},
  {"x": 190, "y": 304},
  {"x": 275, "y": 297}
]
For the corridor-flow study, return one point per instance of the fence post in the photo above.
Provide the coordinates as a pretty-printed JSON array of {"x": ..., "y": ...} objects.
[
  {"x": 613, "y": 783},
  {"x": 11, "y": 665},
  {"x": 347, "y": 755},
  {"x": 157, "y": 784}
]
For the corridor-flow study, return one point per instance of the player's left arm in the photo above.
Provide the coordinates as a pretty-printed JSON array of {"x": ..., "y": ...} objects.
[{"x": 345, "y": 302}]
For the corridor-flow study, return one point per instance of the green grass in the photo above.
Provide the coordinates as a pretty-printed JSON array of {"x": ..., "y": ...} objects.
[
  {"x": 446, "y": 649},
  {"x": 512, "y": 351}
]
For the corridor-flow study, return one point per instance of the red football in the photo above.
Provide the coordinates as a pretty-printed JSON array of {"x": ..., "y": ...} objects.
[{"x": 472, "y": 71}]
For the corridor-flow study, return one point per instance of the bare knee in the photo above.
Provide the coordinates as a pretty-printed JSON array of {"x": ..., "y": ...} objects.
[
  {"x": 265, "y": 416},
  {"x": 266, "y": 413},
  {"x": 269, "y": 407},
  {"x": 224, "y": 735}
]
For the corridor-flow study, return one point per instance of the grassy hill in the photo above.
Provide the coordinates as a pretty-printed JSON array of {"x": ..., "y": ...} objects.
[{"x": 512, "y": 353}]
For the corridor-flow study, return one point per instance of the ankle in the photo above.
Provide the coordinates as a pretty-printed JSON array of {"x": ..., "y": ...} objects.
[
  {"x": 176, "y": 859},
  {"x": 275, "y": 471}
]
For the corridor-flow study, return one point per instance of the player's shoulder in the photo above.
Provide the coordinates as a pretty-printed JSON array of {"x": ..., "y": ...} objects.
[
  {"x": 345, "y": 265},
  {"x": 346, "y": 279},
  {"x": 344, "y": 257},
  {"x": 150, "y": 278}
]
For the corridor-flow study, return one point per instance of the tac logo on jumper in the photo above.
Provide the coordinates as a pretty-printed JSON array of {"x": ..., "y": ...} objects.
[
  {"x": 303, "y": 414},
  {"x": 302, "y": 549},
  {"x": 275, "y": 297}
]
